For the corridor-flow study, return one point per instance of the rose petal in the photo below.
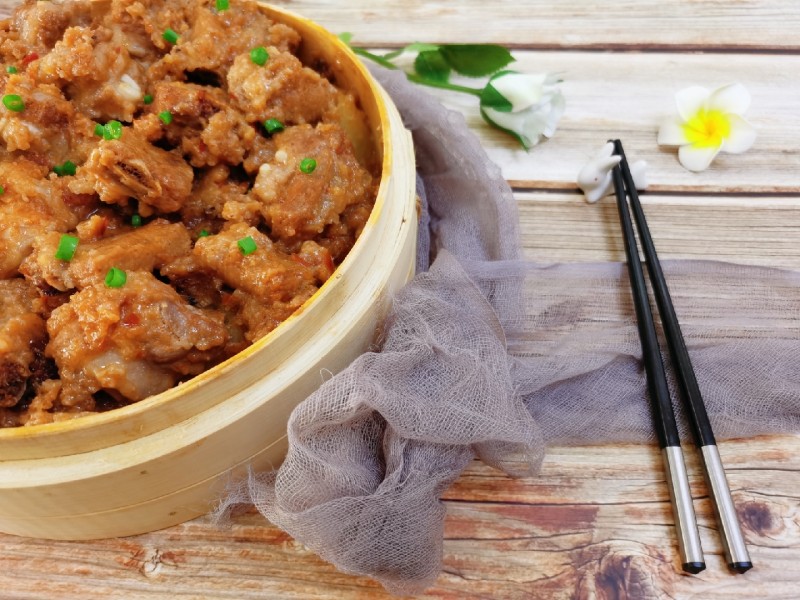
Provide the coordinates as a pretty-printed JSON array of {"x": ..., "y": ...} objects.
[
  {"x": 741, "y": 137},
  {"x": 528, "y": 125},
  {"x": 697, "y": 158},
  {"x": 554, "y": 116},
  {"x": 690, "y": 100},
  {"x": 733, "y": 98},
  {"x": 520, "y": 89},
  {"x": 672, "y": 133}
]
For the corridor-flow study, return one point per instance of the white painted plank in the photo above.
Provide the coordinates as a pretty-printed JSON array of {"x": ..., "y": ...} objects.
[
  {"x": 626, "y": 95},
  {"x": 640, "y": 24}
]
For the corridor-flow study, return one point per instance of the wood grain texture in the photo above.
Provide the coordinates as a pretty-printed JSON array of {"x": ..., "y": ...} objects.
[
  {"x": 627, "y": 95},
  {"x": 562, "y": 227},
  {"x": 627, "y": 24},
  {"x": 596, "y": 523},
  {"x": 560, "y": 535}
]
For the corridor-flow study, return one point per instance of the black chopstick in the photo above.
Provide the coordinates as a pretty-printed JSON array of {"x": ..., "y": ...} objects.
[
  {"x": 735, "y": 548},
  {"x": 663, "y": 414}
]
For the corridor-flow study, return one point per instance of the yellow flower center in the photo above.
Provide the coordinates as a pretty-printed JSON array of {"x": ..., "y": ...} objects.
[{"x": 707, "y": 128}]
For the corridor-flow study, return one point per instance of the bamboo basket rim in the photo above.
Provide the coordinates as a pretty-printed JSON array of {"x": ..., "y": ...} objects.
[{"x": 98, "y": 420}]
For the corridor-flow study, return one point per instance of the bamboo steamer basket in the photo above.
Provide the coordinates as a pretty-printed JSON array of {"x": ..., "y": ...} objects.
[{"x": 167, "y": 459}]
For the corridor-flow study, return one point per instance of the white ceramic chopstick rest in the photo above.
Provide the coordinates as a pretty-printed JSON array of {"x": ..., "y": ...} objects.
[{"x": 595, "y": 180}]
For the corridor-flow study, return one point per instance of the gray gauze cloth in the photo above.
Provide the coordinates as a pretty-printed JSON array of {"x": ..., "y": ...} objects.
[{"x": 488, "y": 355}]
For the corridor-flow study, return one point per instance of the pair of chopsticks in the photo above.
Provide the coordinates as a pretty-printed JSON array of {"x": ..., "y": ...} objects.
[{"x": 666, "y": 428}]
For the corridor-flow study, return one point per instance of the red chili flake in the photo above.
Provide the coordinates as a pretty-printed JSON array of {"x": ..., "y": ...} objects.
[
  {"x": 202, "y": 146},
  {"x": 101, "y": 227},
  {"x": 131, "y": 320},
  {"x": 329, "y": 262},
  {"x": 301, "y": 260},
  {"x": 30, "y": 58}
]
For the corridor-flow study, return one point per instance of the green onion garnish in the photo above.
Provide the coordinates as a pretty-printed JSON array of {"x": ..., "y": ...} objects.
[
  {"x": 2, "y": 190},
  {"x": 273, "y": 126},
  {"x": 307, "y": 165},
  {"x": 223, "y": 5},
  {"x": 165, "y": 116},
  {"x": 115, "y": 278},
  {"x": 68, "y": 168},
  {"x": 99, "y": 130},
  {"x": 13, "y": 102},
  {"x": 136, "y": 220},
  {"x": 148, "y": 98},
  {"x": 247, "y": 245},
  {"x": 67, "y": 246},
  {"x": 170, "y": 36},
  {"x": 259, "y": 56},
  {"x": 112, "y": 130},
  {"x": 11, "y": 69},
  {"x": 203, "y": 233}
]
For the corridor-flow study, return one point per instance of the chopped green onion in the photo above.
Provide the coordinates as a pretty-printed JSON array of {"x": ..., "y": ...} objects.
[
  {"x": 170, "y": 36},
  {"x": 2, "y": 190},
  {"x": 165, "y": 116},
  {"x": 67, "y": 246},
  {"x": 223, "y": 5},
  {"x": 99, "y": 130},
  {"x": 148, "y": 98},
  {"x": 247, "y": 245},
  {"x": 112, "y": 130},
  {"x": 136, "y": 220},
  {"x": 273, "y": 126},
  {"x": 203, "y": 233},
  {"x": 307, "y": 165},
  {"x": 13, "y": 102},
  {"x": 68, "y": 168},
  {"x": 115, "y": 278},
  {"x": 11, "y": 69},
  {"x": 259, "y": 55}
]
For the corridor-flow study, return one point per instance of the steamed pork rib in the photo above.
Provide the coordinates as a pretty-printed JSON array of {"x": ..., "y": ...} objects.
[
  {"x": 281, "y": 89},
  {"x": 22, "y": 330},
  {"x": 299, "y": 204},
  {"x": 133, "y": 341},
  {"x": 119, "y": 170},
  {"x": 98, "y": 73},
  {"x": 30, "y": 207},
  {"x": 208, "y": 48},
  {"x": 147, "y": 248},
  {"x": 266, "y": 273},
  {"x": 177, "y": 178},
  {"x": 204, "y": 125}
]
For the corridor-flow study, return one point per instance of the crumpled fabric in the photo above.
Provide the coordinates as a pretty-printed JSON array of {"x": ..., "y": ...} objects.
[{"x": 488, "y": 355}]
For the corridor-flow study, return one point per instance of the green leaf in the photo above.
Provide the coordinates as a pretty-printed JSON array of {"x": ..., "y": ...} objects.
[
  {"x": 346, "y": 37},
  {"x": 491, "y": 98},
  {"x": 476, "y": 60},
  {"x": 431, "y": 65}
]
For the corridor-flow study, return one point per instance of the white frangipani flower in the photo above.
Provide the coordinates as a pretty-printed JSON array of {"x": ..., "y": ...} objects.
[
  {"x": 707, "y": 123},
  {"x": 595, "y": 179},
  {"x": 528, "y": 106}
]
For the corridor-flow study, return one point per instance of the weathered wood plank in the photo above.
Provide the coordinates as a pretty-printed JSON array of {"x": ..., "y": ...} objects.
[
  {"x": 560, "y": 227},
  {"x": 637, "y": 24},
  {"x": 557, "y": 535},
  {"x": 716, "y": 25},
  {"x": 627, "y": 95}
]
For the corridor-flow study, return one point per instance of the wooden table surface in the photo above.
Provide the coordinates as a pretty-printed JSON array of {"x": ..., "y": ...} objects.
[{"x": 597, "y": 522}]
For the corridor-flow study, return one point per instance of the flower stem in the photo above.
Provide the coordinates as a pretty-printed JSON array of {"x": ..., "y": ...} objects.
[
  {"x": 384, "y": 62},
  {"x": 443, "y": 85},
  {"x": 374, "y": 57}
]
